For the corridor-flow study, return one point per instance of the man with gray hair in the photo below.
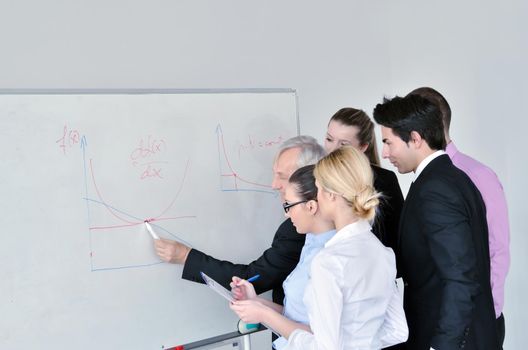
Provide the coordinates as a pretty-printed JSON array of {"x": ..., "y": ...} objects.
[{"x": 276, "y": 263}]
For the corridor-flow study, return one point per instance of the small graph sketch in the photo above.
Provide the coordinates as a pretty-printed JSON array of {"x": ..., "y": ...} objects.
[
  {"x": 230, "y": 179},
  {"x": 118, "y": 239}
]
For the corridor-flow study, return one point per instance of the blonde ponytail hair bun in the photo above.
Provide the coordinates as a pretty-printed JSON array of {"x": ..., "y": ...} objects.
[{"x": 347, "y": 172}]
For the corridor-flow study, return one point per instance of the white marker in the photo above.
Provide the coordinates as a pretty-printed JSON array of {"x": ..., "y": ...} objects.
[{"x": 151, "y": 231}]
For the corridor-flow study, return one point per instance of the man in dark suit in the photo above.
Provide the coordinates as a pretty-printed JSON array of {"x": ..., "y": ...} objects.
[
  {"x": 443, "y": 249},
  {"x": 276, "y": 263}
]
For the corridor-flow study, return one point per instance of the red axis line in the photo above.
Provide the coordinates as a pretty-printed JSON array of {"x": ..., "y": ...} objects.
[
  {"x": 172, "y": 218},
  {"x": 231, "y": 168},
  {"x": 141, "y": 222},
  {"x": 114, "y": 226}
]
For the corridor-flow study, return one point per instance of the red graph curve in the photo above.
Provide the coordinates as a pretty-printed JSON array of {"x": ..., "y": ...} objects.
[{"x": 233, "y": 172}]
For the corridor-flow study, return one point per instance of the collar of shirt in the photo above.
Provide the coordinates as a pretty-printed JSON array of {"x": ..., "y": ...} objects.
[
  {"x": 360, "y": 226},
  {"x": 319, "y": 238},
  {"x": 426, "y": 162},
  {"x": 315, "y": 241}
]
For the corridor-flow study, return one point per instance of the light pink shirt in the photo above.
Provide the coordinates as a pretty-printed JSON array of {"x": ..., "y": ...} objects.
[{"x": 497, "y": 216}]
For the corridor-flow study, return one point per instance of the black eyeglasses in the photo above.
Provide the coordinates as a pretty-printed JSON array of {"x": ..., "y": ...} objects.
[{"x": 286, "y": 206}]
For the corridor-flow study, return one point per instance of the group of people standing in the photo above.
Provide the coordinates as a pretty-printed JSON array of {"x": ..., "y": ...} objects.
[{"x": 349, "y": 234}]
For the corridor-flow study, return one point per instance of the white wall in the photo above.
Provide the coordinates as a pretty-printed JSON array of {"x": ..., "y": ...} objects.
[{"x": 335, "y": 53}]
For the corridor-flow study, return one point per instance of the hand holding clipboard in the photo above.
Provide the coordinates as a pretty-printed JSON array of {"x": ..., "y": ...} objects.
[{"x": 226, "y": 294}]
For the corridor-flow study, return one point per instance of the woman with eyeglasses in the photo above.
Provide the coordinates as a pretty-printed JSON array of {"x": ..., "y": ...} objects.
[
  {"x": 302, "y": 208},
  {"x": 351, "y": 297}
]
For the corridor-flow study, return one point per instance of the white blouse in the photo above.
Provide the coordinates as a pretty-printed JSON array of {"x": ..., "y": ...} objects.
[{"x": 352, "y": 298}]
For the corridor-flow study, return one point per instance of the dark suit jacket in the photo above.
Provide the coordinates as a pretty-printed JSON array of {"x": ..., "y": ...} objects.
[
  {"x": 387, "y": 220},
  {"x": 273, "y": 266},
  {"x": 444, "y": 262}
]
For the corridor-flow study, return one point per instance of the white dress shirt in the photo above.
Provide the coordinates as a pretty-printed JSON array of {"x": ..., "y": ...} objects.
[
  {"x": 352, "y": 298},
  {"x": 425, "y": 162}
]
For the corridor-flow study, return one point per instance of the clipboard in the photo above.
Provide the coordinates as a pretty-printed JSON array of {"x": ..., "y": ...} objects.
[{"x": 217, "y": 287}]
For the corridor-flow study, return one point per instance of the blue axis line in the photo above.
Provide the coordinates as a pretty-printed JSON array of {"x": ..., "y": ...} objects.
[
  {"x": 248, "y": 190},
  {"x": 126, "y": 267}
]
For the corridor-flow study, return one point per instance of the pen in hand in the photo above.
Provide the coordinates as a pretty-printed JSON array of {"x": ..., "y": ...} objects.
[
  {"x": 239, "y": 291},
  {"x": 254, "y": 278}
]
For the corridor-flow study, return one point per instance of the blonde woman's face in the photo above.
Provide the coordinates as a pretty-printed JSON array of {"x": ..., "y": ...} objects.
[{"x": 339, "y": 135}]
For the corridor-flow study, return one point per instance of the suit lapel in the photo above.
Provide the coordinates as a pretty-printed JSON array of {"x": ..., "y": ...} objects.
[{"x": 415, "y": 185}]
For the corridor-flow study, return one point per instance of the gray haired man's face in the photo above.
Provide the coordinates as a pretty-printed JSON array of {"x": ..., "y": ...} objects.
[{"x": 284, "y": 166}]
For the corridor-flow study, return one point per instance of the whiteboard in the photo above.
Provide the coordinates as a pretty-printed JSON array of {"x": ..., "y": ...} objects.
[{"x": 80, "y": 173}]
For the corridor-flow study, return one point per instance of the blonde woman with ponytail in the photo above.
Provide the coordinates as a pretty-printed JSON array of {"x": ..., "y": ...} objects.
[{"x": 351, "y": 298}]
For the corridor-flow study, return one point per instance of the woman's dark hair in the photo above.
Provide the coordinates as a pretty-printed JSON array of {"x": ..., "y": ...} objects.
[
  {"x": 304, "y": 181},
  {"x": 355, "y": 117}
]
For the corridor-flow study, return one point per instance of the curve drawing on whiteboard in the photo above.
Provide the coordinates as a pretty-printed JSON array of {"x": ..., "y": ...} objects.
[
  {"x": 230, "y": 179},
  {"x": 108, "y": 242}
]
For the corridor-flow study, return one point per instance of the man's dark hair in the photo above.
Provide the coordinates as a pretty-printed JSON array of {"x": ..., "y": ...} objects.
[
  {"x": 436, "y": 98},
  {"x": 412, "y": 113}
]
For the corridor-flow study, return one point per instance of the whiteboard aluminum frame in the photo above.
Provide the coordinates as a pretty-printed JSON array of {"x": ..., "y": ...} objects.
[{"x": 137, "y": 91}]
